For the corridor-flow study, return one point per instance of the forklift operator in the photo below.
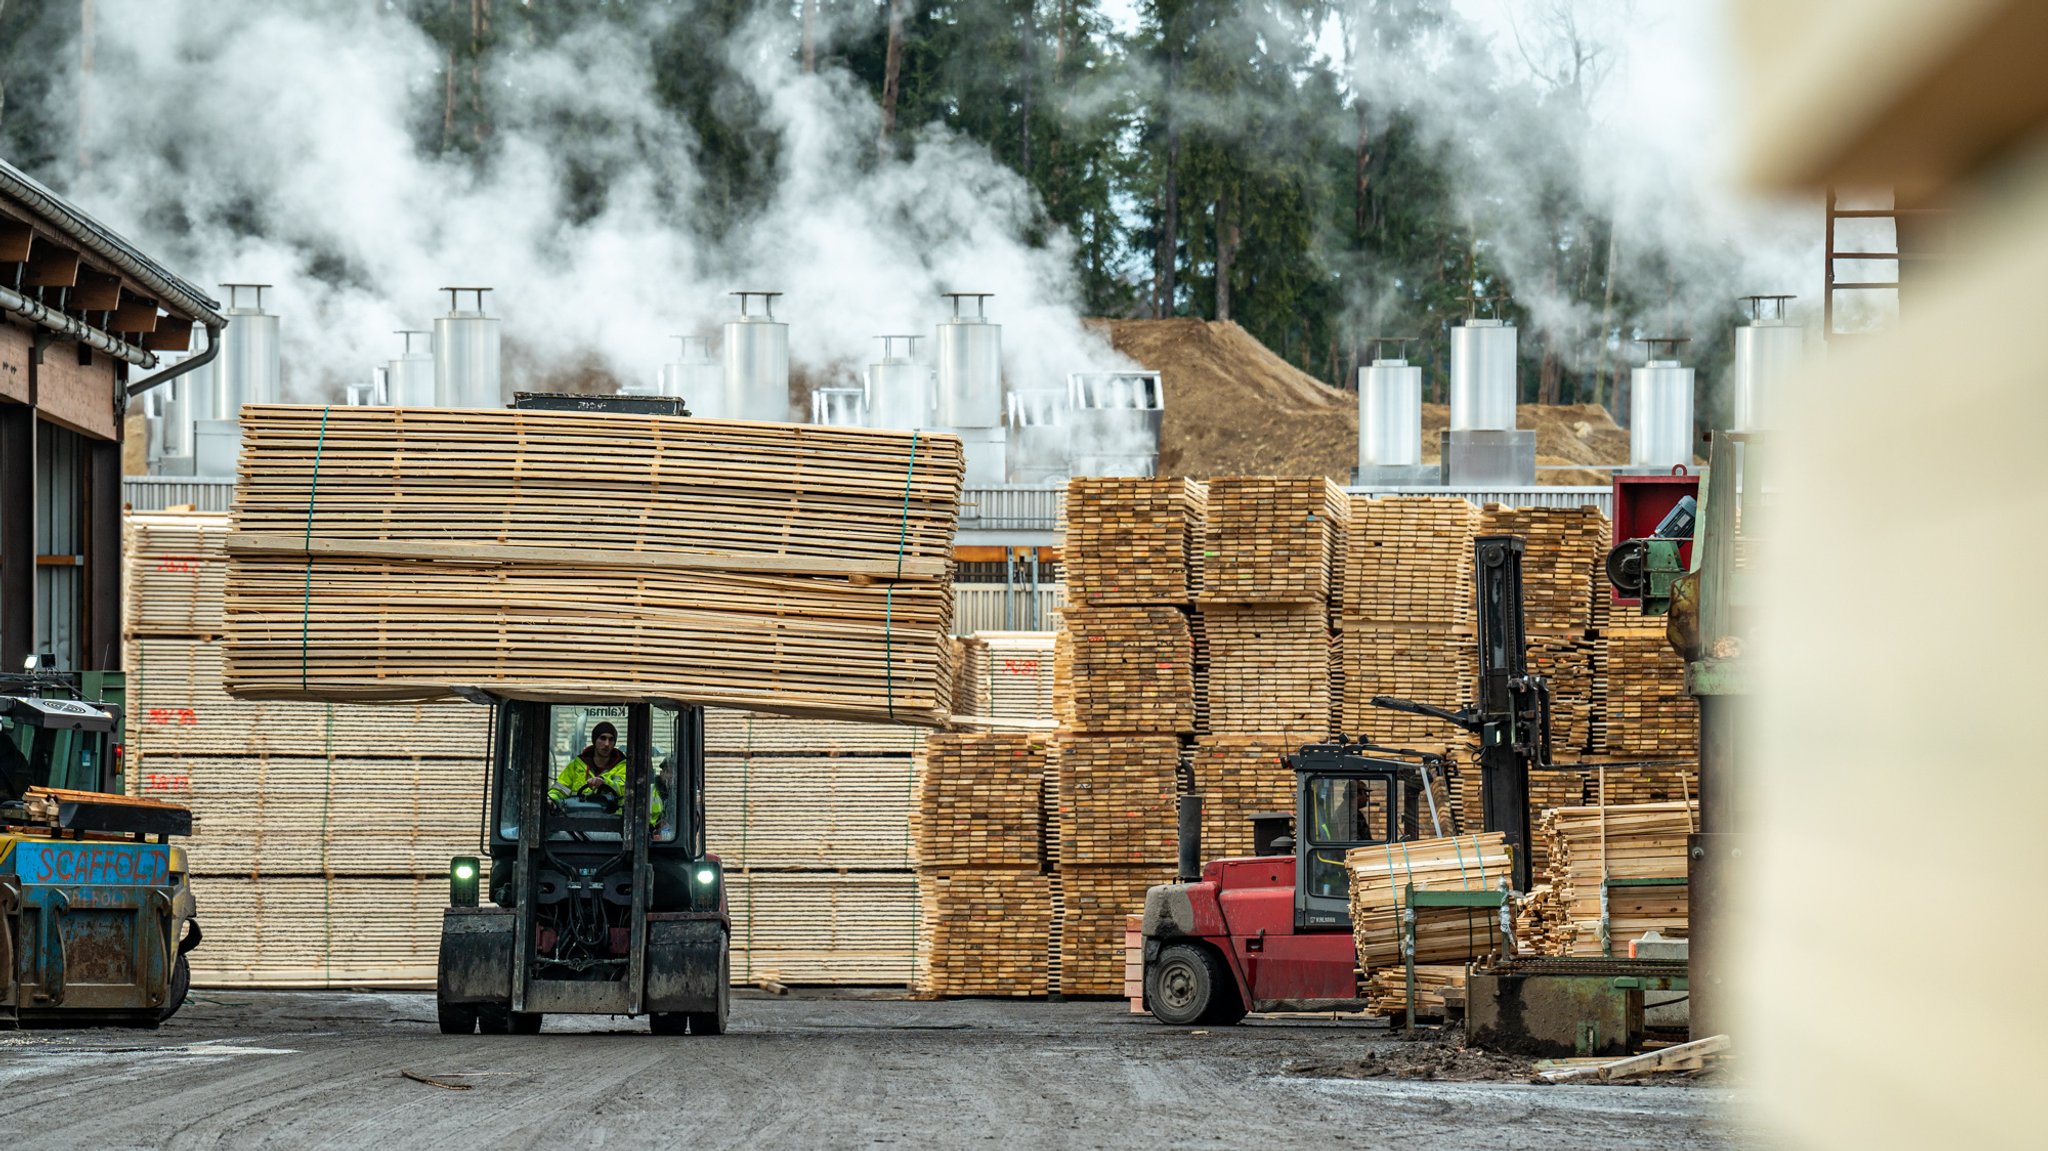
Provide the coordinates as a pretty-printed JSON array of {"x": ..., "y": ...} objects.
[{"x": 598, "y": 773}]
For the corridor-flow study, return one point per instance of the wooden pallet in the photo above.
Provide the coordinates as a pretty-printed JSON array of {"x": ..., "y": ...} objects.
[
  {"x": 1270, "y": 540},
  {"x": 1132, "y": 541},
  {"x": 1129, "y": 669}
]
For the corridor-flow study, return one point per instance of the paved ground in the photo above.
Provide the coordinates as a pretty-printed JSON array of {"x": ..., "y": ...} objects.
[{"x": 247, "y": 1069}]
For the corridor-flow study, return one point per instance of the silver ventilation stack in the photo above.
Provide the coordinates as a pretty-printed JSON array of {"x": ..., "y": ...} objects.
[
  {"x": 409, "y": 379},
  {"x": 970, "y": 387},
  {"x": 1115, "y": 418},
  {"x": 247, "y": 371},
  {"x": 1390, "y": 419},
  {"x": 177, "y": 406},
  {"x": 1660, "y": 403},
  {"x": 1768, "y": 353},
  {"x": 368, "y": 394},
  {"x": 841, "y": 407},
  {"x": 1483, "y": 448},
  {"x": 466, "y": 364},
  {"x": 696, "y": 378},
  {"x": 899, "y": 389},
  {"x": 1041, "y": 436},
  {"x": 756, "y": 380}
]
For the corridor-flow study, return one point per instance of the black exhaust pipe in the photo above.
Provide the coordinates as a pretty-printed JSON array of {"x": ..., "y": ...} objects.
[{"x": 1190, "y": 837}]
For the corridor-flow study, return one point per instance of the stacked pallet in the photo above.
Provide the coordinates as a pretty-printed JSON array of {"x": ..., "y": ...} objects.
[
  {"x": 1386, "y": 990},
  {"x": 986, "y": 903},
  {"x": 1117, "y": 799},
  {"x": 811, "y": 819},
  {"x": 571, "y": 554},
  {"x": 1239, "y": 776},
  {"x": 321, "y": 832},
  {"x": 1648, "y": 710},
  {"x": 1132, "y": 541},
  {"x": 1130, "y": 669},
  {"x": 1590, "y": 844},
  {"x": 1406, "y": 616},
  {"x": 1382, "y": 875},
  {"x": 1269, "y": 540},
  {"x": 1094, "y": 905},
  {"x": 1010, "y": 675},
  {"x": 1267, "y": 670}
]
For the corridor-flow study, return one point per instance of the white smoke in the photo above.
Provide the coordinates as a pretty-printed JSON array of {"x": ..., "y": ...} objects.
[{"x": 297, "y": 145}]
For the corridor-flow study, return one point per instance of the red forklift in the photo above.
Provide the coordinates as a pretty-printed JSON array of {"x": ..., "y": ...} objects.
[{"x": 1272, "y": 931}]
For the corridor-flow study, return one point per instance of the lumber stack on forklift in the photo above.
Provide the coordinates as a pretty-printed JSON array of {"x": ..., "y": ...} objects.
[
  {"x": 986, "y": 902},
  {"x": 1386, "y": 990},
  {"x": 1382, "y": 876},
  {"x": 1589, "y": 845},
  {"x": 321, "y": 832},
  {"x": 776, "y": 567}
]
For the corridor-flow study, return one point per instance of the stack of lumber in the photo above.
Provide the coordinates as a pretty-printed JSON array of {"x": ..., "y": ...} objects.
[
  {"x": 1563, "y": 548},
  {"x": 395, "y": 553},
  {"x": 1541, "y": 925},
  {"x": 1648, "y": 710},
  {"x": 986, "y": 904},
  {"x": 1010, "y": 675},
  {"x": 1269, "y": 539},
  {"x": 1094, "y": 904},
  {"x": 1132, "y": 541},
  {"x": 1567, "y": 662},
  {"x": 1386, "y": 990},
  {"x": 967, "y": 688},
  {"x": 1548, "y": 789},
  {"x": 1117, "y": 799},
  {"x": 1406, "y": 616},
  {"x": 1589, "y": 844},
  {"x": 1237, "y": 777},
  {"x": 1267, "y": 669},
  {"x": 1381, "y": 876},
  {"x": 1624, "y": 783},
  {"x": 1131, "y": 669},
  {"x": 321, "y": 832},
  {"x": 811, "y": 819},
  {"x": 1428, "y": 665}
]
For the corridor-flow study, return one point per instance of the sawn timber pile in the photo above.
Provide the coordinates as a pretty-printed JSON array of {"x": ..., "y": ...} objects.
[{"x": 396, "y": 553}]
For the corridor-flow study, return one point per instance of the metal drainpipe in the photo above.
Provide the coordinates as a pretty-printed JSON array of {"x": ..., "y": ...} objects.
[
  {"x": 67, "y": 326},
  {"x": 187, "y": 364}
]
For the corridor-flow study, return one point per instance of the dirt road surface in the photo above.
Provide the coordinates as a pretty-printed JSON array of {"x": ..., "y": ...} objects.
[{"x": 305, "y": 1070}]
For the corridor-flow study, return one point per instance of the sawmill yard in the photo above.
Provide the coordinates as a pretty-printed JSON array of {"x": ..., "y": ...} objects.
[{"x": 317, "y": 1069}]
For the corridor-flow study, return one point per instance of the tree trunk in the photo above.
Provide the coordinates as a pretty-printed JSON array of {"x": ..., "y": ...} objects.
[
  {"x": 810, "y": 37},
  {"x": 1030, "y": 64},
  {"x": 1606, "y": 318},
  {"x": 1227, "y": 236},
  {"x": 1169, "y": 225},
  {"x": 479, "y": 27},
  {"x": 892, "y": 68},
  {"x": 1361, "y": 210}
]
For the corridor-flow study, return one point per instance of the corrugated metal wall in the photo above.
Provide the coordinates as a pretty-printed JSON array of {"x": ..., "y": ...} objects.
[
  {"x": 1539, "y": 496},
  {"x": 155, "y": 493},
  {"x": 60, "y": 537},
  {"x": 994, "y": 607}
]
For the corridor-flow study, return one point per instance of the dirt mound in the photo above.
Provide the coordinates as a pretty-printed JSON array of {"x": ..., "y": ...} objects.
[{"x": 1233, "y": 407}]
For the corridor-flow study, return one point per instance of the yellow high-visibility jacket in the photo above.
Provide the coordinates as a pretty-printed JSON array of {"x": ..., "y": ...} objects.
[{"x": 576, "y": 774}]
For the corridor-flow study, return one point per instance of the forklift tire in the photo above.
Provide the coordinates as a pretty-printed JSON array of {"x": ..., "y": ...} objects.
[
  {"x": 1188, "y": 986},
  {"x": 174, "y": 996},
  {"x": 713, "y": 1022},
  {"x": 455, "y": 1018},
  {"x": 525, "y": 1022},
  {"x": 668, "y": 1023},
  {"x": 492, "y": 1019}
]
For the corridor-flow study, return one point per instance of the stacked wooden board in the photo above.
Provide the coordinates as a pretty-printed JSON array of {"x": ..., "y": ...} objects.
[
  {"x": 1117, "y": 799},
  {"x": 1269, "y": 540},
  {"x": 1564, "y": 592},
  {"x": 395, "y": 553},
  {"x": 321, "y": 832},
  {"x": 1386, "y": 990},
  {"x": 1648, "y": 710},
  {"x": 811, "y": 819},
  {"x": 1382, "y": 875},
  {"x": 1267, "y": 669},
  {"x": 1239, "y": 776},
  {"x": 1132, "y": 541},
  {"x": 1093, "y": 905},
  {"x": 986, "y": 900},
  {"x": 1130, "y": 669},
  {"x": 1588, "y": 845},
  {"x": 1406, "y": 616},
  {"x": 1009, "y": 673}
]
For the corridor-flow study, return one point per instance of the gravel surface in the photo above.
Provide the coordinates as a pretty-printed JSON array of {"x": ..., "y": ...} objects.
[{"x": 320, "y": 1069}]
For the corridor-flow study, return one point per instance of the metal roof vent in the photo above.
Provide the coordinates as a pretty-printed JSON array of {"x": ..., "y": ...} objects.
[
  {"x": 466, "y": 363},
  {"x": 841, "y": 407},
  {"x": 899, "y": 389},
  {"x": 1041, "y": 431},
  {"x": 696, "y": 378},
  {"x": 1660, "y": 408},
  {"x": 756, "y": 349},
  {"x": 248, "y": 369},
  {"x": 1768, "y": 353},
  {"x": 409, "y": 378},
  {"x": 1115, "y": 418}
]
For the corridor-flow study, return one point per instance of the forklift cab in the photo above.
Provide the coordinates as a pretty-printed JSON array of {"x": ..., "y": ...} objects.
[
  {"x": 602, "y": 897},
  {"x": 1348, "y": 796}
]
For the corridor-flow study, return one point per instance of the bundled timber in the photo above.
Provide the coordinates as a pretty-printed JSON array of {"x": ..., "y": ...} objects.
[
  {"x": 393, "y": 553},
  {"x": 978, "y": 801},
  {"x": 1268, "y": 669},
  {"x": 1409, "y": 561},
  {"x": 174, "y": 573},
  {"x": 1567, "y": 662},
  {"x": 310, "y": 931},
  {"x": 1564, "y": 554},
  {"x": 967, "y": 688},
  {"x": 1117, "y": 800},
  {"x": 1271, "y": 539},
  {"x": 1063, "y": 674},
  {"x": 1386, "y": 989},
  {"x": 1587, "y": 845},
  {"x": 1239, "y": 776},
  {"x": 1648, "y": 710},
  {"x": 817, "y": 812},
  {"x": 1094, "y": 902},
  {"x": 984, "y": 932},
  {"x": 1426, "y": 665},
  {"x": 750, "y": 733},
  {"x": 1132, "y": 541},
  {"x": 822, "y": 926},
  {"x": 1010, "y": 675},
  {"x": 1130, "y": 670},
  {"x": 1381, "y": 875}
]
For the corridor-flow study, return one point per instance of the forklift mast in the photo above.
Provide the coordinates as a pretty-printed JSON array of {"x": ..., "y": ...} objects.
[{"x": 1514, "y": 706}]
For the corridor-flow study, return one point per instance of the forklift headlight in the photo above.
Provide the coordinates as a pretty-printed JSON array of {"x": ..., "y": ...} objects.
[
  {"x": 462, "y": 881},
  {"x": 706, "y": 876}
]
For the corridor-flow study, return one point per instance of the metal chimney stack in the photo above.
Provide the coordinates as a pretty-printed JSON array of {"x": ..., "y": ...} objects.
[
  {"x": 1768, "y": 353},
  {"x": 1483, "y": 448},
  {"x": 1115, "y": 417},
  {"x": 899, "y": 389},
  {"x": 178, "y": 405},
  {"x": 756, "y": 363},
  {"x": 1660, "y": 409},
  {"x": 1040, "y": 447},
  {"x": 247, "y": 371},
  {"x": 970, "y": 387},
  {"x": 409, "y": 379},
  {"x": 696, "y": 378},
  {"x": 466, "y": 364},
  {"x": 841, "y": 407},
  {"x": 1390, "y": 419}
]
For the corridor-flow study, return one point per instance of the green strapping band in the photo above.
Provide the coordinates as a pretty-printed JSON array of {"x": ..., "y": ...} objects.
[
  {"x": 312, "y": 494},
  {"x": 889, "y": 594}
]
